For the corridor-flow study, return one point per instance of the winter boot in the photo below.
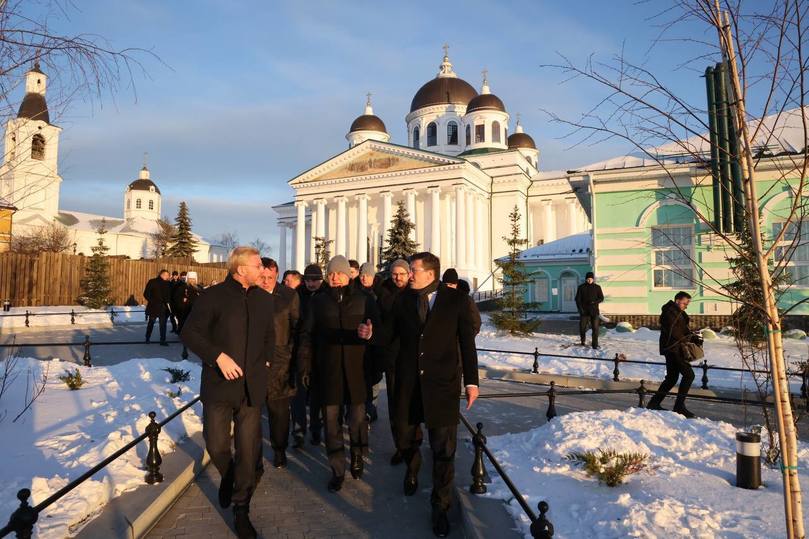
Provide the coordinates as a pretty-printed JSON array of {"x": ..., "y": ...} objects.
[
  {"x": 654, "y": 403},
  {"x": 335, "y": 483},
  {"x": 241, "y": 521},
  {"x": 226, "y": 488}
]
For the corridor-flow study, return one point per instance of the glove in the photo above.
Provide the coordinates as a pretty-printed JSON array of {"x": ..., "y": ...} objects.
[{"x": 305, "y": 380}]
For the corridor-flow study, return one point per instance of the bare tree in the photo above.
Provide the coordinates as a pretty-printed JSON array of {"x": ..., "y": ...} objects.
[
  {"x": 161, "y": 239},
  {"x": 262, "y": 247},
  {"x": 51, "y": 238},
  {"x": 228, "y": 240},
  {"x": 762, "y": 62}
]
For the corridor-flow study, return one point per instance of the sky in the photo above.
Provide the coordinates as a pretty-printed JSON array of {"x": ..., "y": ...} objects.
[{"x": 237, "y": 97}]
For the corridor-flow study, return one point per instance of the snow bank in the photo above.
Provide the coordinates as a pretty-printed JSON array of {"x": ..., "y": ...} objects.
[
  {"x": 687, "y": 492},
  {"x": 84, "y": 316},
  {"x": 66, "y": 432}
]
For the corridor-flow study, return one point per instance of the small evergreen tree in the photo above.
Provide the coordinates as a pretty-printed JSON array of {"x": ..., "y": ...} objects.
[
  {"x": 322, "y": 252},
  {"x": 183, "y": 243},
  {"x": 513, "y": 307},
  {"x": 399, "y": 244},
  {"x": 96, "y": 282}
]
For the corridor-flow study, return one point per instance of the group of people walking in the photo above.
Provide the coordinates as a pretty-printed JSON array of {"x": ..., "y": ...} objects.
[
  {"x": 321, "y": 344},
  {"x": 169, "y": 298}
]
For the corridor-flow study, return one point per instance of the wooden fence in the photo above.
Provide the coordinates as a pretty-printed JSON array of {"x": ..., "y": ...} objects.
[{"x": 54, "y": 278}]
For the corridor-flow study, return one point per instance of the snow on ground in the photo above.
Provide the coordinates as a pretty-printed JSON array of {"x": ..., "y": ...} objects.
[
  {"x": 689, "y": 490},
  {"x": 67, "y": 432},
  {"x": 641, "y": 345},
  {"x": 84, "y": 316}
]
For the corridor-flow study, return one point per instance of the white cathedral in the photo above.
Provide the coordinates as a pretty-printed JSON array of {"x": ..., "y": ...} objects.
[
  {"x": 30, "y": 181},
  {"x": 460, "y": 175}
]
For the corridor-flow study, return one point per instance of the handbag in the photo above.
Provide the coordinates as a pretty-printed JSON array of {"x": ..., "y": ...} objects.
[{"x": 692, "y": 351}]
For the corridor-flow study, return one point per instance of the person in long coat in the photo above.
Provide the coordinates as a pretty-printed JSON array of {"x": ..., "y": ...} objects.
[
  {"x": 158, "y": 295},
  {"x": 434, "y": 327},
  {"x": 588, "y": 298},
  {"x": 183, "y": 298},
  {"x": 338, "y": 327}
]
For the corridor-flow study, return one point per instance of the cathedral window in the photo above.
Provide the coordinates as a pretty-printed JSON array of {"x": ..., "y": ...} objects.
[
  {"x": 416, "y": 137},
  {"x": 38, "y": 147},
  {"x": 137, "y": 204},
  {"x": 432, "y": 134},
  {"x": 468, "y": 134},
  {"x": 480, "y": 133},
  {"x": 151, "y": 204},
  {"x": 495, "y": 131},
  {"x": 452, "y": 133}
]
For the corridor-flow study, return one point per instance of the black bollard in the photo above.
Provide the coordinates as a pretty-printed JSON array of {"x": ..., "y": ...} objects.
[
  {"x": 642, "y": 394},
  {"x": 6, "y": 306},
  {"x": 72, "y": 317},
  {"x": 542, "y": 528},
  {"x": 748, "y": 460},
  {"x": 112, "y": 316},
  {"x": 803, "y": 382},
  {"x": 27, "y": 314},
  {"x": 704, "y": 366},
  {"x": 478, "y": 467},
  {"x": 87, "y": 359},
  {"x": 615, "y": 372},
  {"x": 551, "y": 413},
  {"x": 23, "y": 518},
  {"x": 536, "y": 361},
  {"x": 153, "y": 459}
]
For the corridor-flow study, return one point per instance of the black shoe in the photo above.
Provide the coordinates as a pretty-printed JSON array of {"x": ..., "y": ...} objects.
[
  {"x": 595, "y": 347},
  {"x": 683, "y": 411},
  {"x": 184, "y": 355},
  {"x": 396, "y": 459},
  {"x": 440, "y": 523},
  {"x": 583, "y": 343},
  {"x": 655, "y": 406},
  {"x": 241, "y": 521},
  {"x": 226, "y": 488},
  {"x": 356, "y": 465},
  {"x": 411, "y": 484},
  {"x": 298, "y": 441},
  {"x": 336, "y": 483},
  {"x": 163, "y": 343},
  {"x": 148, "y": 340},
  {"x": 280, "y": 459}
]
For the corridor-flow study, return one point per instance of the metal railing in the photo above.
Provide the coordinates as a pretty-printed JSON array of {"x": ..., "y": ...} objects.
[
  {"x": 112, "y": 313},
  {"x": 87, "y": 344}
]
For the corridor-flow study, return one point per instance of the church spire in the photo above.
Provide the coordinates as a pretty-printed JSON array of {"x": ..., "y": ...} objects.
[
  {"x": 484, "y": 89},
  {"x": 369, "y": 110},
  {"x": 518, "y": 128},
  {"x": 445, "y": 69}
]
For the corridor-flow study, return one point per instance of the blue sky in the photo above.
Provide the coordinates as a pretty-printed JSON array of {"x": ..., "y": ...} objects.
[{"x": 249, "y": 93}]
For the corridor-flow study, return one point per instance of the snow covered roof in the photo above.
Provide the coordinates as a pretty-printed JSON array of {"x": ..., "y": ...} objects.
[
  {"x": 76, "y": 220},
  {"x": 571, "y": 247},
  {"x": 6, "y": 205}
]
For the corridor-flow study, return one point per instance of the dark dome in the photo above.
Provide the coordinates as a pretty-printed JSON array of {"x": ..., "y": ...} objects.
[
  {"x": 143, "y": 185},
  {"x": 368, "y": 122},
  {"x": 486, "y": 102},
  {"x": 34, "y": 107},
  {"x": 442, "y": 91},
  {"x": 521, "y": 140}
]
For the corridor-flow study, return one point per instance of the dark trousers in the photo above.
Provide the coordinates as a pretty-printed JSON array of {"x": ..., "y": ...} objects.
[
  {"x": 216, "y": 421},
  {"x": 173, "y": 320},
  {"x": 594, "y": 321},
  {"x": 357, "y": 433},
  {"x": 278, "y": 412},
  {"x": 299, "y": 402},
  {"x": 675, "y": 366},
  {"x": 390, "y": 380},
  {"x": 162, "y": 327},
  {"x": 443, "y": 442}
]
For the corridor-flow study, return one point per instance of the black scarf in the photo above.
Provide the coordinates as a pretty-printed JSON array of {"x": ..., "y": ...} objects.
[
  {"x": 338, "y": 293},
  {"x": 423, "y": 299}
]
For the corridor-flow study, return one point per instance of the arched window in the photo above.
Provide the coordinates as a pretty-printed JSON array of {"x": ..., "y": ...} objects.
[
  {"x": 468, "y": 134},
  {"x": 38, "y": 147},
  {"x": 432, "y": 134},
  {"x": 452, "y": 133},
  {"x": 416, "y": 137},
  {"x": 151, "y": 204},
  {"x": 480, "y": 133},
  {"x": 137, "y": 204},
  {"x": 495, "y": 131}
]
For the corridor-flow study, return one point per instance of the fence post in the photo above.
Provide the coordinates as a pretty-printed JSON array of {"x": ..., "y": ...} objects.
[
  {"x": 72, "y": 317},
  {"x": 112, "y": 315},
  {"x": 551, "y": 413},
  {"x": 542, "y": 528},
  {"x": 153, "y": 459},
  {"x": 23, "y": 518},
  {"x": 803, "y": 381},
  {"x": 704, "y": 366},
  {"x": 536, "y": 361},
  {"x": 642, "y": 394},
  {"x": 87, "y": 358},
  {"x": 27, "y": 314},
  {"x": 616, "y": 374},
  {"x": 478, "y": 467}
]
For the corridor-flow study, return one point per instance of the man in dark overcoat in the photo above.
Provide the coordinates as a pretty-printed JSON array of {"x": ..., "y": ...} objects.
[
  {"x": 338, "y": 327},
  {"x": 231, "y": 329},
  {"x": 588, "y": 298},
  {"x": 433, "y": 325},
  {"x": 158, "y": 295},
  {"x": 183, "y": 298}
]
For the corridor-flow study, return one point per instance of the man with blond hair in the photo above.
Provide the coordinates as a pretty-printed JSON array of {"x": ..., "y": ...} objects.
[{"x": 231, "y": 330}]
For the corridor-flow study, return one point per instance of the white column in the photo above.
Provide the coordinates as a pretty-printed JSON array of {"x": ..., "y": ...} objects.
[
  {"x": 483, "y": 234},
  {"x": 435, "y": 221},
  {"x": 300, "y": 236},
  {"x": 573, "y": 215},
  {"x": 362, "y": 229},
  {"x": 410, "y": 197},
  {"x": 340, "y": 240},
  {"x": 549, "y": 234},
  {"x": 310, "y": 252},
  {"x": 387, "y": 214},
  {"x": 472, "y": 233},
  {"x": 460, "y": 228},
  {"x": 282, "y": 246},
  {"x": 321, "y": 217}
]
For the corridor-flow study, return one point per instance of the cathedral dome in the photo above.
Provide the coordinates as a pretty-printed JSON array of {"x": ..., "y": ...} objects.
[
  {"x": 34, "y": 107},
  {"x": 445, "y": 89},
  {"x": 143, "y": 183},
  {"x": 486, "y": 102},
  {"x": 521, "y": 140},
  {"x": 368, "y": 122}
]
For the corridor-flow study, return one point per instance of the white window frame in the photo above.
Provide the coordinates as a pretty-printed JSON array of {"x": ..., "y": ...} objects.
[
  {"x": 673, "y": 268},
  {"x": 534, "y": 290},
  {"x": 785, "y": 243}
]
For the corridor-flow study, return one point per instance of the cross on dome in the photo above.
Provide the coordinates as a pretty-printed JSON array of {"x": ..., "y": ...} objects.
[
  {"x": 445, "y": 69},
  {"x": 484, "y": 89},
  {"x": 368, "y": 108}
]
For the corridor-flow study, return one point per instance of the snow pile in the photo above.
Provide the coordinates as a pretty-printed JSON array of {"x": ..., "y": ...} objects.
[
  {"x": 687, "y": 492},
  {"x": 65, "y": 433},
  {"x": 84, "y": 316}
]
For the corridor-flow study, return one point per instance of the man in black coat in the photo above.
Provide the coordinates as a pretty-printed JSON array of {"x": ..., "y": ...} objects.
[
  {"x": 433, "y": 325},
  {"x": 174, "y": 282},
  {"x": 588, "y": 296},
  {"x": 158, "y": 295},
  {"x": 280, "y": 383},
  {"x": 231, "y": 329},
  {"x": 674, "y": 333},
  {"x": 183, "y": 298},
  {"x": 338, "y": 327}
]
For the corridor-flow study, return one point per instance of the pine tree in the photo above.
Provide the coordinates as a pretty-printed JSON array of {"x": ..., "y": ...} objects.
[
  {"x": 513, "y": 308},
  {"x": 399, "y": 244},
  {"x": 183, "y": 243},
  {"x": 322, "y": 252},
  {"x": 95, "y": 285}
]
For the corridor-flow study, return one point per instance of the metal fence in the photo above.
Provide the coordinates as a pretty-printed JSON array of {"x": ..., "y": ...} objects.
[{"x": 112, "y": 313}]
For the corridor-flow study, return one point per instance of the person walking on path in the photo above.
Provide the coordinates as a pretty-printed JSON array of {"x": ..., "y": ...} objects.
[
  {"x": 433, "y": 326},
  {"x": 674, "y": 334},
  {"x": 183, "y": 298},
  {"x": 174, "y": 282},
  {"x": 588, "y": 297},
  {"x": 369, "y": 284},
  {"x": 231, "y": 329},
  {"x": 158, "y": 296},
  {"x": 338, "y": 327}
]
